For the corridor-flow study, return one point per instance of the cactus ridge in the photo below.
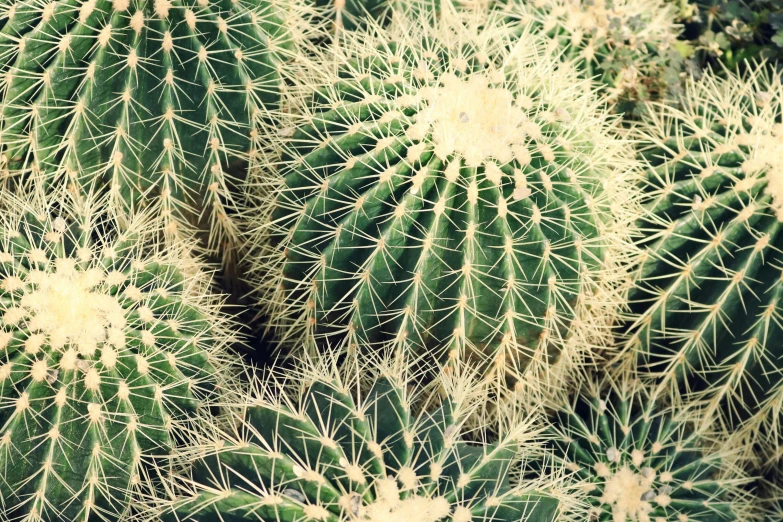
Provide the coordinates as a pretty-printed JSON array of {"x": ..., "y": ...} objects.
[
  {"x": 342, "y": 445},
  {"x": 157, "y": 103},
  {"x": 640, "y": 459},
  {"x": 708, "y": 301},
  {"x": 446, "y": 191},
  {"x": 106, "y": 356}
]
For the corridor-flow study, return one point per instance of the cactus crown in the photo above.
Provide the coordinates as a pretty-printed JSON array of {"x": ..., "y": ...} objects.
[
  {"x": 107, "y": 351},
  {"x": 446, "y": 190},
  {"x": 156, "y": 103},
  {"x": 708, "y": 303},
  {"x": 638, "y": 459},
  {"x": 362, "y": 443}
]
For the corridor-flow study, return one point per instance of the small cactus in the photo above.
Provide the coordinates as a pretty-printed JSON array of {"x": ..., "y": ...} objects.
[
  {"x": 360, "y": 443},
  {"x": 445, "y": 191},
  {"x": 154, "y": 102},
  {"x": 630, "y": 46},
  {"x": 639, "y": 460},
  {"x": 106, "y": 357},
  {"x": 709, "y": 300}
]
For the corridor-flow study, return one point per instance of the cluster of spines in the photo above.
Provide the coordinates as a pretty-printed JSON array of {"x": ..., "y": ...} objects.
[
  {"x": 368, "y": 121},
  {"x": 109, "y": 353}
]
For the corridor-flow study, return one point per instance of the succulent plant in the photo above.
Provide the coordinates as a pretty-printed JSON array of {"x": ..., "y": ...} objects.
[
  {"x": 708, "y": 304},
  {"x": 156, "y": 103},
  {"x": 443, "y": 191},
  {"x": 733, "y": 31},
  {"x": 362, "y": 442},
  {"x": 630, "y": 46},
  {"x": 640, "y": 460},
  {"x": 107, "y": 356}
]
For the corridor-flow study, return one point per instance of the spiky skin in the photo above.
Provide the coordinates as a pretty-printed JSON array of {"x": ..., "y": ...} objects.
[
  {"x": 348, "y": 444},
  {"x": 709, "y": 300},
  {"x": 640, "y": 460},
  {"x": 447, "y": 192},
  {"x": 156, "y": 102},
  {"x": 629, "y": 46},
  {"x": 106, "y": 356}
]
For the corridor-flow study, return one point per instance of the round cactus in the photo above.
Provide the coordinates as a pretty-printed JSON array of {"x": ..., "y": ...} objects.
[
  {"x": 628, "y": 45},
  {"x": 709, "y": 298},
  {"x": 640, "y": 460},
  {"x": 445, "y": 191},
  {"x": 156, "y": 103},
  {"x": 328, "y": 446},
  {"x": 106, "y": 356}
]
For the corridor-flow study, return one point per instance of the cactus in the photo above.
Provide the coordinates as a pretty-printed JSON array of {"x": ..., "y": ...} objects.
[
  {"x": 640, "y": 460},
  {"x": 362, "y": 442},
  {"x": 443, "y": 191},
  {"x": 630, "y": 46},
  {"x": 157, "y": 103},
  {"x": 708, "y": 300},
  {"x": 106, "y": 357}
]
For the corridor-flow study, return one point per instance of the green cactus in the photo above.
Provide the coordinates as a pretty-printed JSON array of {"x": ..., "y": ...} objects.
[
  {"x": 107, "y": 356},
  {"x": 157, "y": 103},
  {"x": 360, "y": 443},
  {"x": 640, "y": 460},
  {"x": 630, "y": 46},
  {"x": 443, "y": 191},
  {"x": 709, "y": 300}
]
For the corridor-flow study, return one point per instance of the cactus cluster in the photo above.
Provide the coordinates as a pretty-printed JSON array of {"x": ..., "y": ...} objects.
[
  {"x": 630, "y": 46},
  {"x": 639, "y": 459},
  {"x": 446, "y": 189},
  {"x": 156, "y": 103},
  {"x": 709, "y": 297},
  {"x": 360, "y": 443},
  {"x": 108, "y": 353}
]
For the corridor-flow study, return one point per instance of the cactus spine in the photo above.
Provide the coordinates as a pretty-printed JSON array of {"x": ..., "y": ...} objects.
[
  {"x": 638, "y": 459},
  {"x": 445, "y": 191},
  {"x": 708, "y": 300},
  {"x": 106, "y": 356},
  {"x": 359, "y": 443},
  {"x": 156, "y": 103}
]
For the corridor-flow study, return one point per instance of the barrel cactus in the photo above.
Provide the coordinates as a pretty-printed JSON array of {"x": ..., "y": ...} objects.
[
  {"x": 640, "y": 460},
  {"x": 360, "y": 443},
  {"x": 709, "y": 298},
  {"x": 630, "y": 46},
  {"x": 444, "y": 190},
  {"x": 106, "y": 357},
  {"x": 156, "y": 103}
]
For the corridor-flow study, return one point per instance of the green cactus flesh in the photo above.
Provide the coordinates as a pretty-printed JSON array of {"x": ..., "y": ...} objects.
[
  {"x": 451, "y": 197},
  {"x": 102, "y": 354},
  {"x": 156, "y": 102},
  {"x": 325, "y": 455},
  {"x": 638, "y": 462},
  {"x": 709, "y": 300}
]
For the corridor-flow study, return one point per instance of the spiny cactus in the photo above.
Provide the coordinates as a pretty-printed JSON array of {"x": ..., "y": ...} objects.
[
  {"x": 709, "y": 300},
  {"x": 445, "y": 191},
  {"x": 363, "y": 442},
  {"x": 106, "y": 356},
  {"x": 156, "y": 102},
  {"x": 640, "y": 460},
  {"x": 628, "y": 45}
]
